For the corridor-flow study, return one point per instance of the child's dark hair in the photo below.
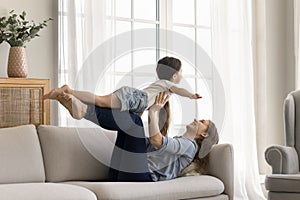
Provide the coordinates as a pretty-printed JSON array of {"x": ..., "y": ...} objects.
[{"x": 167, "y": 67}]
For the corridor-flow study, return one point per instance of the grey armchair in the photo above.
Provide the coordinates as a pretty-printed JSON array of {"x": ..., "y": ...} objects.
[{"x": 284, "y": 182}]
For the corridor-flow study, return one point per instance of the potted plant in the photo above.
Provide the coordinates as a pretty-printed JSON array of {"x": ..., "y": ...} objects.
[{"x": 17, "y": 31}]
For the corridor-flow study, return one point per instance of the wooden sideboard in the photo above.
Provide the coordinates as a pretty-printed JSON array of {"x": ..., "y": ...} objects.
[{"x": 21, "y": 101}]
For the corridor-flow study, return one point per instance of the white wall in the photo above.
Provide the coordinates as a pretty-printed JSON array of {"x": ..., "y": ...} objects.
[{"x": 41, "y": 51}]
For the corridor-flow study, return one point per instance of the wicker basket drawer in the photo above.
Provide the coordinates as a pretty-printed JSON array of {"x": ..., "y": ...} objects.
[{"x": 21, "y": 102}]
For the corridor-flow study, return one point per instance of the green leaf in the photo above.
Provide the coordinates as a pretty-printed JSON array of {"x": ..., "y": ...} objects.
[
  {"x": 22, "y": 16},
  {"x": 16, "y": 30}
]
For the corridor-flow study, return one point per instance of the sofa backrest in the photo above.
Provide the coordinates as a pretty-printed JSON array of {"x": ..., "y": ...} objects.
[
  {"x": 292, "y": 120},
  {"x": 20, "y": 155},
  {"x": 76, "y": 154}
]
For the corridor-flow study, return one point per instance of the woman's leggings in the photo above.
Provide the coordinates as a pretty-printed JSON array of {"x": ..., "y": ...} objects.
[{"x": 129, "y": 157}]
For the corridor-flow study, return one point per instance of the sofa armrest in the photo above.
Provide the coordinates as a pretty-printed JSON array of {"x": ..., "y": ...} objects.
[
  {"x": 221, "y": 166},
  {"x": 283, "y": 159}
]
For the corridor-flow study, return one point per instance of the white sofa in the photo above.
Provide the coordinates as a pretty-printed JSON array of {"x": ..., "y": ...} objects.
[{"x": 55, "y": 163}]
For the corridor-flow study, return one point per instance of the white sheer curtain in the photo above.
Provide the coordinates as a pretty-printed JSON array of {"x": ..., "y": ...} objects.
[
  {"x": 297, "y": 41},
  {"x": 232, "y": 54},
  {"x": 82, "y": 28}
]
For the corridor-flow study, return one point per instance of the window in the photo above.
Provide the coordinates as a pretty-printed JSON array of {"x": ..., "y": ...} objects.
[
  {"x": 136, "y": 68},
  {"x": 190, "y": 18},
  {"x": 130, "y": 15}
]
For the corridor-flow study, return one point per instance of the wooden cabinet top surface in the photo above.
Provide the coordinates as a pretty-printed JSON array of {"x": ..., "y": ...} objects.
[{"x": 26, "y": 81}]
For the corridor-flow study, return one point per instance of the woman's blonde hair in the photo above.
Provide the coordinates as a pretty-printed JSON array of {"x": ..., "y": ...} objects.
[
  {"x": 199, "y": 166},
  {"x": 201, "y": 163},
  {"x": 165, "y": 119}
]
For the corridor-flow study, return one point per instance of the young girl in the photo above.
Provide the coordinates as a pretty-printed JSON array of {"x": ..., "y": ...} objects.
[{"x": 169, "y": 72}]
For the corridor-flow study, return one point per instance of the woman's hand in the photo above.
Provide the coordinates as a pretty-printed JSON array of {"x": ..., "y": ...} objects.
[
  {"x": 156, "y": 137},
  {"x": 160, "y": 100}
]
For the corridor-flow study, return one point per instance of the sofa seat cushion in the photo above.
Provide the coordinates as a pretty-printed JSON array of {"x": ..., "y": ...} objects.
[
  {"x": 179, "y": 188},
  {"x": 45, "y": 191},
  {"x": 283, "y": 195},
  {"x": 283, "y": 182}
]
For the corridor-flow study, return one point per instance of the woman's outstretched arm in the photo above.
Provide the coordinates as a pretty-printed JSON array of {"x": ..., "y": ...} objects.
[{"x": 156, "y": 138}]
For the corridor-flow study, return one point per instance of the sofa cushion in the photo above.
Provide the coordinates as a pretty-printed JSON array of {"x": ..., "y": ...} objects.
[
  {"x": 76, "y": 153},
  {"x": 20, "y": 155},
  {"x": 44, "y": 191},
  {"x": 283, "y": 182},
  {"x": 179, "y": 188}
]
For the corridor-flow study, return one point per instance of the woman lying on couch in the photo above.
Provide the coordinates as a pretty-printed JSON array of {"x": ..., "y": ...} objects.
[{"x": 135, "y": 158}]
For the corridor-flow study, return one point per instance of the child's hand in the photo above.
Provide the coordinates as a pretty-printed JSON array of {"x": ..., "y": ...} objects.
[{"x": 196, "y": 96}]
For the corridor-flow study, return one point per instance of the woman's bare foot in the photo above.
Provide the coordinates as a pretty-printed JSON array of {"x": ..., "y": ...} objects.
[
  {"x": 76, "y": 108},
  {"x": 54, "y": 93}
]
